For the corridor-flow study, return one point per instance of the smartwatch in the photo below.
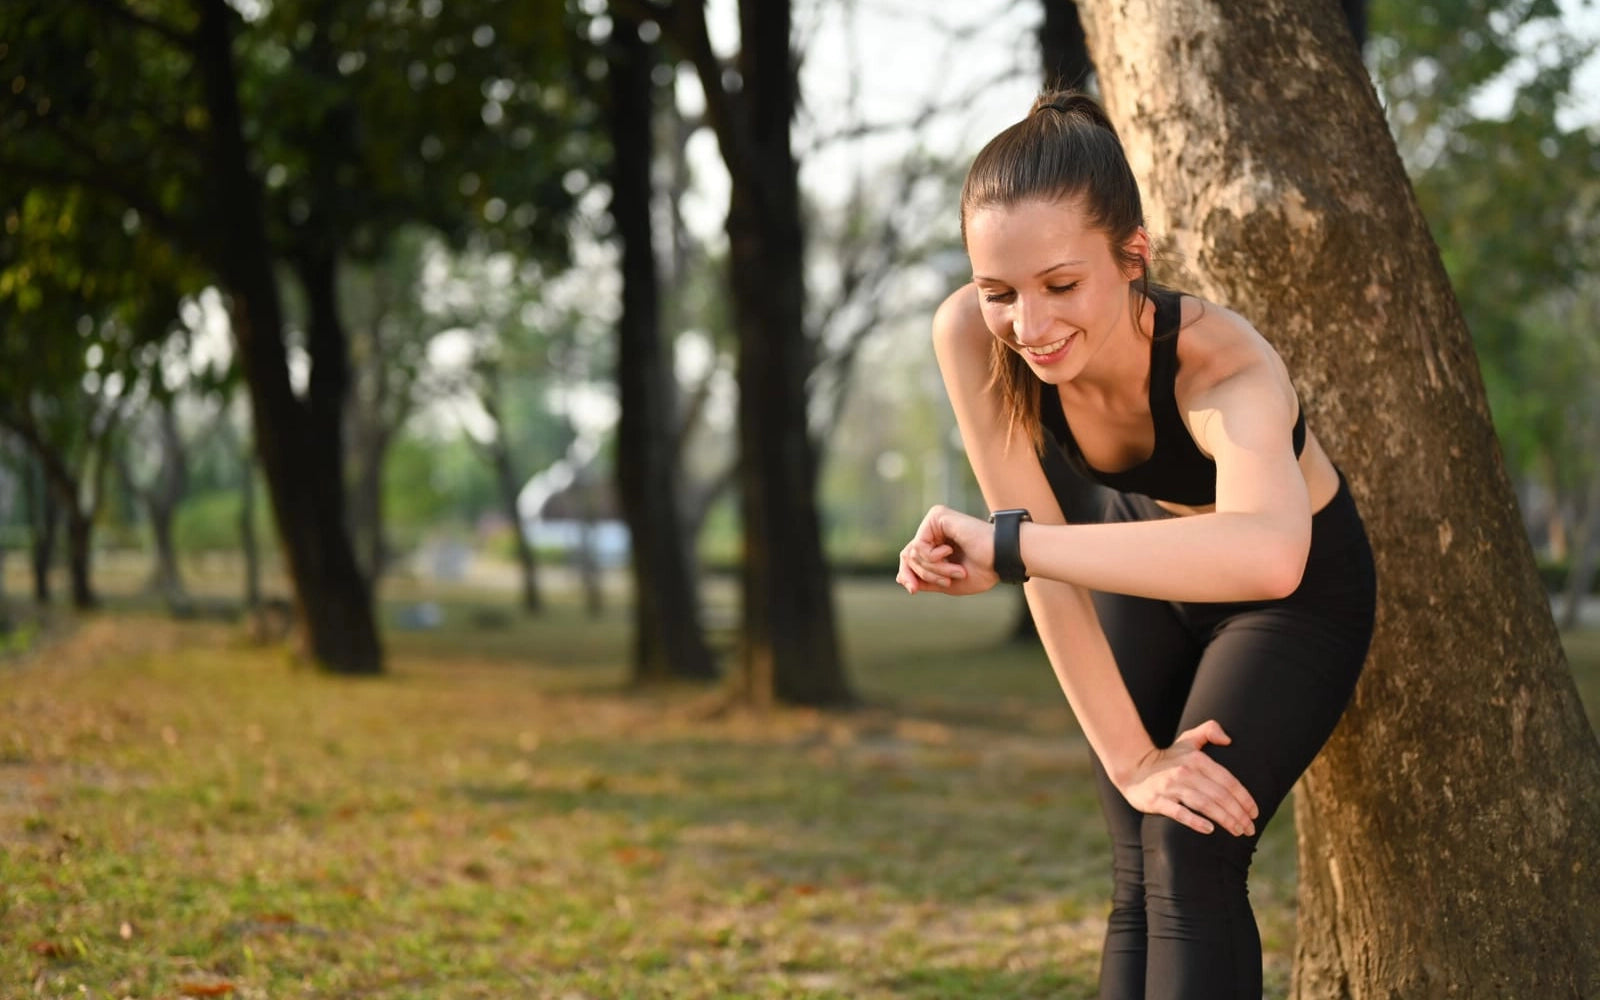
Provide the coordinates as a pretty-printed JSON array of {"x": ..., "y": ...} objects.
[{"x": 1008, "y": 544}]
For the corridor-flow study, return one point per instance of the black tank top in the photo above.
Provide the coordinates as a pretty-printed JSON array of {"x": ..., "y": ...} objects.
[{"x": 1177, "y": 470}]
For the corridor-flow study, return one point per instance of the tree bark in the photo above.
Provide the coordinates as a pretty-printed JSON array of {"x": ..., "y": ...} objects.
[
  {"x": 668, "y": 641},
  {"x": 790, "y": 648},
  {"x": 299, "y": 444},
  {"x": 1449, "y": 834}
]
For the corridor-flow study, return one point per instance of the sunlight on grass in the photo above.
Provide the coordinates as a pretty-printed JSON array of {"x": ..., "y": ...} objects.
[{"x": 182, "y": 812}]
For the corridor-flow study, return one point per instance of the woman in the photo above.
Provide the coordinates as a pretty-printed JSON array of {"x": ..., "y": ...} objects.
[{"x": 1209, "y": 633}]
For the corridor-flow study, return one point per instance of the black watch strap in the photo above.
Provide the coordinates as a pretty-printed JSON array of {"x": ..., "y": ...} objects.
[{"x": 1008, "y": 544}]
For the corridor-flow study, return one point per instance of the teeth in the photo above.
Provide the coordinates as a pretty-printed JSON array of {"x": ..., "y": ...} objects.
[{"x": 1048, "y": 348}]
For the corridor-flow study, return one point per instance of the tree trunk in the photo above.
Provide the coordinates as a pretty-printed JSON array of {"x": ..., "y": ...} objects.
[
  {"x": 80, "y": 542},
  {"x": 668, "y": 640},
  {"x": 167, "y": 577},
  {"x": 510, "y": 489},
  {"x": 299, "y": 445},
  {"x": 160, "y": 501},
  {"x": 588, "y": 564},
  {"x": 9, "y": 487},
  {"x": 248, "y": 545},
  {"x": 371, "y": 445},
  {"x": 1450, "y": 832},
  {"x": 790, "y": 646},
  {"x": 43, "y": 517}
]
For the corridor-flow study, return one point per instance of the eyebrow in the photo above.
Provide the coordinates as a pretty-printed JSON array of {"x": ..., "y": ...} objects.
[{"x": 1052, "y": 267}]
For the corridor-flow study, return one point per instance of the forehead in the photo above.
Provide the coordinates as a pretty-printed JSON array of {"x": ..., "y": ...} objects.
[{"x": 1029, "y": 235}]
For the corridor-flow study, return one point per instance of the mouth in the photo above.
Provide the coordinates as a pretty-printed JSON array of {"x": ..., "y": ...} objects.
[{"x": 1047, "y": 353}]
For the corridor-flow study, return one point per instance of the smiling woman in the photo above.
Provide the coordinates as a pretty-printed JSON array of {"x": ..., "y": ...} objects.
[{"x": 1209, "y": 632}]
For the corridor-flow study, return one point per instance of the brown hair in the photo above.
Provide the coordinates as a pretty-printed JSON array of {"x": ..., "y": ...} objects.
[{"x": 1065, "y": 149}]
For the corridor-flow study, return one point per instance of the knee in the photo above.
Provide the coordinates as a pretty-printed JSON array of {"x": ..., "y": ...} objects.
[{"x": 1181, "y": 861}]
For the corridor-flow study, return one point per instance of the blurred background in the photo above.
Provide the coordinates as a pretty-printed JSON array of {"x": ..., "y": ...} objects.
[{"x": 341, "y": 319}]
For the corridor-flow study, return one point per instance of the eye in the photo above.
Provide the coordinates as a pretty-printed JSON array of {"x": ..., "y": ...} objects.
[
  {"x": 1000, "y": 297},
  {"x": 1060, "y": 289}
]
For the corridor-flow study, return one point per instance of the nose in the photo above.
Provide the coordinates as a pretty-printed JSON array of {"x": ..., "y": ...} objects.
[{"x": 1029, "y": 322}]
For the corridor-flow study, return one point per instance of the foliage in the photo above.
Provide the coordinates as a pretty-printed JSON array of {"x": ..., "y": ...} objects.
[
  {"x": 1511, "y": 197},
  {"x": 465, "y": 117},
  {"x": 86, "y": 299},
  {"x": 431, "y": 481}
]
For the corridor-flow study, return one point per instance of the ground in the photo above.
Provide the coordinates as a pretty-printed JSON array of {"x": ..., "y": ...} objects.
[{"x": 185, "y": 813}]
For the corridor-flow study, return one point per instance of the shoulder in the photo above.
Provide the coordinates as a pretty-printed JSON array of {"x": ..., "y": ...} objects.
[
  {"x": 1219, "y": 350},
  {"x": 958, "y": 321},
  {"x": 1226, "y": 366}
]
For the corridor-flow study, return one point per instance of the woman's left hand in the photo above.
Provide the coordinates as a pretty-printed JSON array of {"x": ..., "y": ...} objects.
[{"x": 952, "y": 553}]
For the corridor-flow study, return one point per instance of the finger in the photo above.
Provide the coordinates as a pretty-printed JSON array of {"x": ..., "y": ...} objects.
[
  {"x": 928, "y": 575},
  {"x": 906, "y": 578},
  {"x": 1209, "y": 731},
  {"x": 945, "y": 568},
  {"x": 1229, "y": 786},
  {"x": 1214, "y": 802},
  {"x": 1188, "y": 817}
]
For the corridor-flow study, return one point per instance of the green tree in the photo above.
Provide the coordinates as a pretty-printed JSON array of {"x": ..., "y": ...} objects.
[
  {"x": 1510, "y": 195},
  {"x": 86, "y": 297},
  {"x": 303, "y": 138}
]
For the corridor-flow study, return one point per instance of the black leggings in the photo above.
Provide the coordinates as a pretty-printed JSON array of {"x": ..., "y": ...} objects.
[{"x": 1276, "y": 675}]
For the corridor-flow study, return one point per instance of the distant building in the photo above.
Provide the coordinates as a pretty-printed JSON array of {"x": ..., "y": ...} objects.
[{"x": 560, "y": 509}]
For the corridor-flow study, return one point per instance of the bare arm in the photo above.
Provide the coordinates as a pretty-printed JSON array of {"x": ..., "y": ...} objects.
[
  {"x": 1253, "y": 547},
  {"x": 1009, "y": 474}
]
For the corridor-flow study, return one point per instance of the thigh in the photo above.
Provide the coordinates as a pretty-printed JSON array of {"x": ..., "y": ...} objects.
[
  {"x": 1156, "y": 656},
  {"x": 1154, "y": 646},
  {"x": 1277, "y": 680}
]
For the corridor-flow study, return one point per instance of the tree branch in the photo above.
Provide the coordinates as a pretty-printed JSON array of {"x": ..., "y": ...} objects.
[{"x": 684, "y": 21}]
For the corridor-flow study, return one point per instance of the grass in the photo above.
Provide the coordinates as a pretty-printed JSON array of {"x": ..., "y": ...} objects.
[{"x": 185, "y": 814}]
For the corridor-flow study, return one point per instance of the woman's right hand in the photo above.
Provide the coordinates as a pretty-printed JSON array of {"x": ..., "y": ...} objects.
[{"x": 1184, "y": 784}]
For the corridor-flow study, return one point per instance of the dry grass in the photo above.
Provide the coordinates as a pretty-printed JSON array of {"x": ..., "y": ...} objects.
[{"x": 182, "y": 812}]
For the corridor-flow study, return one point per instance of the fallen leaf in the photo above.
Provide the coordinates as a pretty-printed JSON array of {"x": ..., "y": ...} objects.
[
  {"x": 216, "y": 988},
  {"x": 641, "y": 856}
]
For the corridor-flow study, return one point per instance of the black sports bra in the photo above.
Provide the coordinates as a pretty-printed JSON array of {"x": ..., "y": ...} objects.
[{"x": 1177, "y": 470}]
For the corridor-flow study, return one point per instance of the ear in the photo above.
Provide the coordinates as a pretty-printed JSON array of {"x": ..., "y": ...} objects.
[{"x": 1138, "y": 245}]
